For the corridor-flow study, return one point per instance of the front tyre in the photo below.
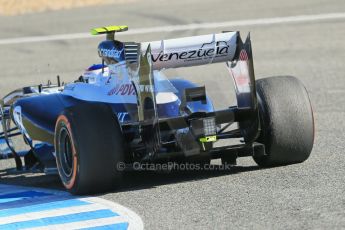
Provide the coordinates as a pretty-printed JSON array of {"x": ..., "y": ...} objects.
[
  {"x": 88, "y": 144},
  {"x": 287, "y": 123}
]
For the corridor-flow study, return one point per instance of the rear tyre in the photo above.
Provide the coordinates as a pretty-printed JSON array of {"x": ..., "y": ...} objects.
[
  {"x": 287, "y": 123},
  {"x": 89, "y": 144}
]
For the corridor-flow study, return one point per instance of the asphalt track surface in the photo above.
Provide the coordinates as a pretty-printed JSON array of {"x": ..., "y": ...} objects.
[{"x": 301, "y": 196}]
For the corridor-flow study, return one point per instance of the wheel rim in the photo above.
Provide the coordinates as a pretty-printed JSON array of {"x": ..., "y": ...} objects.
[{"x": 66, "y": 153}]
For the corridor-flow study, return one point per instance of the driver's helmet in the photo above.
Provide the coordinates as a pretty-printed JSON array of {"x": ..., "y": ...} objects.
[
  {"x": 112, "y": 52},
  {"x": 94, "y": 74}
]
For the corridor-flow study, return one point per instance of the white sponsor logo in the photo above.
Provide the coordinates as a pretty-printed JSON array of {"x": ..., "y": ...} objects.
[{"x": 113, "y": 53}]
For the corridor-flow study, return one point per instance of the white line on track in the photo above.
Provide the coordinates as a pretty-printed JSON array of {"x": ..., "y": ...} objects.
[
  {"x": 193, "y": 26},
  {"x": 48, "y": 208},
  {"x": 50, "y": 213},
  {"x": 85, "y": 224}
]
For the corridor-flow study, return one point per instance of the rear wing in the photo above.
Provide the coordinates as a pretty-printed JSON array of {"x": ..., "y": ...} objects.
[{"x": 192, "y": 51}]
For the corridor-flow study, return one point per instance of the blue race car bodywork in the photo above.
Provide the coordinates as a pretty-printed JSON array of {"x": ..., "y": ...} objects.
[
  {"x": 126, "y": 111},
  {"x": 39, "y": 112}
]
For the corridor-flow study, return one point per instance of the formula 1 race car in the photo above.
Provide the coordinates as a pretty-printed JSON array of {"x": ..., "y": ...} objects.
[{"x": 126, "y": 111}]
